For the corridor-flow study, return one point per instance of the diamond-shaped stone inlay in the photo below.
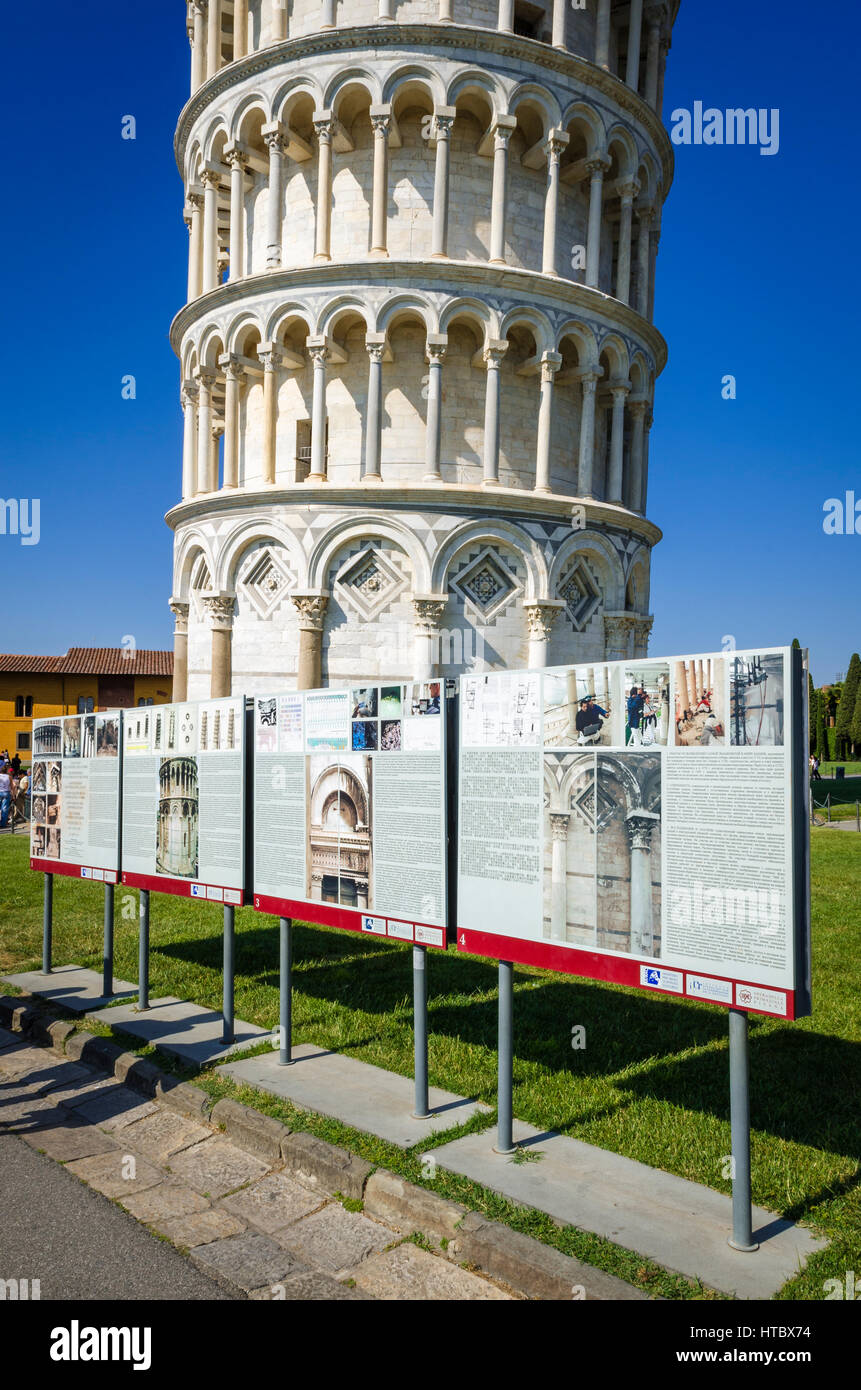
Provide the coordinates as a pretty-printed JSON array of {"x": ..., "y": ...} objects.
[
  {"x": 369, "y": 582},
  {"x": 486, "y": 585},
  {"x": 581, "y": 595},
  {"x": 266, "y": 581}
]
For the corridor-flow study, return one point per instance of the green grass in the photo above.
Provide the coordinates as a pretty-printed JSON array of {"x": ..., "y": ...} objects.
[{"x": 652, "y": 1081}]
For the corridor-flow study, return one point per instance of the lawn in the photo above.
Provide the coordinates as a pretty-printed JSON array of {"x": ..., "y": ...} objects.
[{"x": 652, "y": 1081}]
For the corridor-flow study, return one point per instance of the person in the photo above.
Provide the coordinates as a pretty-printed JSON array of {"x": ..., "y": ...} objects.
[
  {"x": 635, "y": 713},
  {"x": 649, "y": 720},
  {"x": 817, "y": 776},
  {"x": 16, "y": 764},
  {"x": 5, "y": 794},
  {"x": 19, "y": 808},
  {"x": 596, "y": 708},
  {"x": 588, "y": 723}
]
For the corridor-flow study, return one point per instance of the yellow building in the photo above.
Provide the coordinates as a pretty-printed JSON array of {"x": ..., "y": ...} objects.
[{"x": 85, "y": 679}]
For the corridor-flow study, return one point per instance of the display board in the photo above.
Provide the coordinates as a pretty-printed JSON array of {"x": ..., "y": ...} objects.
[
  {"x": 349, "y": 809},
  {"x": 184, "y": 799},
  {"x": 644, "y": 822},
  {"x": 75, "y": 795}
]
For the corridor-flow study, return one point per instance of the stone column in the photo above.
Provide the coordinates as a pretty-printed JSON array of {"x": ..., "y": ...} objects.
[
  {"x": 638, "y": 411},
  {"x": 649, "y": 421},
  {"x": 550, "y": 364},
  {"x": 376, "y": 347},
  {"x": 602, "y": 35},
  {"x": 211, "y": 180},
  {"x": 220, "y": 610},
  {"x": 234, "y": 377},
  {"x": 559, "y": 10},
  {"x": 198, "y": 47},
  {"x": 642, "y": 628},
  {"x": 215, "y": 435},
  {"x": 180, "y": 649},
  {"x": 213, "y": 38},
  {"x": 318, "y": 352},
  {"x": 586, "y": 463},
  {"x": 639, "y": 825},
  {"x": 240, "y": 29},
  {"x": 327, "y": 16},
  {"x": 571, "y": 703},
  {"x": 428, "y": 609},
  {"x": 615, "y": 636},
  {"x": 555, "y": 145},
  {"x": 436, "y": 350},
  {"x": 559, "y": 822},
  {"x": 279, "y": 20},
  {"x": 444, "y": 117},
  {"x": 654, "y": 18},
  {"x": 644, "y": 215},
  {"x": 597, "y": 168},
  {"x": 628, "y": 192},
  {"x": 617, "y": 441},
  {"x": 506, "y": 16},
  {"x": 205, "y": 383},
  {"x": 189, "y": 407},
  {"x": 445, "y": 15},
  {"x": 541, "y": 614},
  {"x": 269, "y": 355},
  {"x": 274, "y": 136},
  {"x": 635, "y": 29},
  {"x": 311, "y": 608},
  {"x": 381, "y": 120},
  {"x": 195, "y": 247},
  {"x": 323, "y": 237},
  {"x": 493, "y": 355},
  {"x": 235, "y": 159},
  {"x": 384, "y": 11},
  {"x": 502, "y": 134}
]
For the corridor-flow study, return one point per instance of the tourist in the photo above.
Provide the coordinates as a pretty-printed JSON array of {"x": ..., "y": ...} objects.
[
  {"x": 5, "y": 794},
  {"x": 817, "y": 776},
  {"x": 19, "y": 807},
  {"x": 16, "y": 764},
  {"x": 588, "y": 723},
  {"x": 635, "y": 714}
]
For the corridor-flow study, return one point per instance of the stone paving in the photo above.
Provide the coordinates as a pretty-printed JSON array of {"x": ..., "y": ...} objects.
[{"x": 252, "y": 1227}]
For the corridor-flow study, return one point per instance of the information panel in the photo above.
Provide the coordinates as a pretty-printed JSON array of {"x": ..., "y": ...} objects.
[
  {"x": 184, "y": 799},
  {"x": 75, "y": 788},
  {"x": 643, "y": 822},
  {"x": 349, "y": 809}
]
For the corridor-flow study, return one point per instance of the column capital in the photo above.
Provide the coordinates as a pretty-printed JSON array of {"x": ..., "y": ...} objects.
[
  {"x": 179, "y": 608},
  {"x": 493, "y": 352},
  {"x": 233, "y": 368},
  {"x": 276, "y": 135},
  {"x": 377, "y": 347},
  {"x": 639, "y": 825},
  {"x": 550, "y": 364},
  {"x": 217, "y": 428},
  {"x": 205, "y": 378},
  {"x": 436, "y": 346},
  {"x": 200, "y": 6},
  {"x": 311, "y": 607},
  {"x": 381, "y": 118},
  {"x": 428, "y": 609},
  {"x": 194, "y": 196},
  {"x": 638, "y": 405},
  {"x": 219, "y": 608},
  {"x": 598, "y": 162},
  {"x": 557, "y": 141},
  {"x": 589, "y": 377},
  {"x": 236, "y": 156},
  {"x": 444, "y": 118},
  {"x": 642, "y": 631},
  {"x": 270, "y": 355},
  {"x": 559, "y": 822},
  {"x": 318, "y": 349},
  {"x": 541, "y": 614},
  {"x": 628, "y": 190},
  {"x": 645, "y": 213},
  {"x": 619, "y": 390},
  {"x": 211, "y": 175},
  {"x": 189, "y": 391}
]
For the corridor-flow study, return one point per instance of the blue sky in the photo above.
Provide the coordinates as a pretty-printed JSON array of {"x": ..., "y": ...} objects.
[{"x": 757, "y": 278}]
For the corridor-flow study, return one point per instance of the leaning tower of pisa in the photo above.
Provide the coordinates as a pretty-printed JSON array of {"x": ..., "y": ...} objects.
[{"x": 417, "y": 358}]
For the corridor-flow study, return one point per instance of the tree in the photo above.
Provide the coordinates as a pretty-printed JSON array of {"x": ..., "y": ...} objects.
[
  {"x": 821, "y": 726},
  {"x": 855, "y": 729},
  {"x": 812, "y": 712},
  {"x": 846, "y": 708}
]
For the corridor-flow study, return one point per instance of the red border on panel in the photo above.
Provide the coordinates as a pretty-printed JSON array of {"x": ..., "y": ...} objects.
[
  {"x": 181, "y": 888},
  {"x": 60, "y": 866},
  {"x": 347, "y": 918},
  {"x": 616, "y": 970}
]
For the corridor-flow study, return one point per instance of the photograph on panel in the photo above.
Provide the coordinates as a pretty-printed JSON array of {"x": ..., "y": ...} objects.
[
  {"x": 48, "y": 738},
  {"x": 266, "y": 725},
  {"x": 391, "y": 702},
  {"x": 570, "y": 890},
  {"x": 628, "y": 852},
  {"x": 181, "y": 729},
  {"x": 72, "y": 738},
  {"x": 55, "y": 777},
  {"x": 577, "y": 708},
  {"x": 365, "y": 702},
  {"x": 40, "y": 776},
  {"x": 339, "y": 828},
  {"x": 646, "y": 688},
  {"x": 107, "y": 736},
  {"x": 700, "y": 700},
  {"x": 177, "y": 834},
  {"x": 52, "y": 844},
  {"x": 756, "y": 701},
  {"x": 424, "y": 699},
  {"x": 40, "y": 809},
  {"x": 38, "y": 849},
  {"x": 88, "y": 743},
  {"x": 217, "y": 727}
]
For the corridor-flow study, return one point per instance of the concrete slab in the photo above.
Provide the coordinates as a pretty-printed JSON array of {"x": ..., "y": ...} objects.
[
  {"x": 247, "y": 1262},
  {"x": 272, "y": 1203},
  {"x": 367, "y": 1098},
  {"x": 408, "y": 1273},
  {"x": 216, "y": 1167},
  {"x": 334, "y": 1240},
  {"x": 110, "y": 1173},
  {"x": 72, "y": 986},
  {"x": 678, "y": 1224},
  {"x": 160, "y": 1135},
  {"x": 309, "y": 1288},
  {"x": 164, "y": 1200},
  {"x": 199, "y": 1228},
  {"x": 183, "y": 1030},
  {"x": 69, "y": 1141}
]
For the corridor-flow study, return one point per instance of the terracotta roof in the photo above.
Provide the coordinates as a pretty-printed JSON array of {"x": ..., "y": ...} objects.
[{"x": 93, "y": 661}]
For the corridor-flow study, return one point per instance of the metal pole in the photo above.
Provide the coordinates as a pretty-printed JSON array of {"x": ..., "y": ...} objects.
[
  {"x": 47, "y": 924},
  {"x": 108, "y": 956},
  {"x": 285, "y": 1016},
  {"x": 228, "y": 1034},
  {"x": 143, "y": 950},
  {"x": 505, "y": 1052},
  {"x": 858, "y": 815},
  {"x": 739, "y": 1088},
  {"x": 420, "y": 1031},
  {"x": 828, "y": 803}
]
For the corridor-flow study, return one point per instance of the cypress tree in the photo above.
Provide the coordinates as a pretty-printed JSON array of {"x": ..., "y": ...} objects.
[
  {"x": 812, "y": 712},
  {"x": 855, "y": 728},
  {"x": 846, "y": 709},
  {"x": 821, "y": 726}
]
